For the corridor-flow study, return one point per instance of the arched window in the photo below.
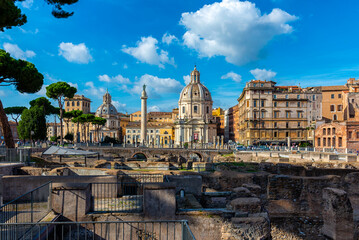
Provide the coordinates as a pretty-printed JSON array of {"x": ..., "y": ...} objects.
[
  {"x": 195, "y": 109},
  {"x": 334, "y": 117},
  {"x": 207, "y": 109}
]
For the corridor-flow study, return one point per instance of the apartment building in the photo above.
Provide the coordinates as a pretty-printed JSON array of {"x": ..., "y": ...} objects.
[{"x": 270, "y": 114}]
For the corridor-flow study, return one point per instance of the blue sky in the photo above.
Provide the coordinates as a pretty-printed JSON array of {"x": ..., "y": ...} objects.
[{"x": 120, "y": 45}]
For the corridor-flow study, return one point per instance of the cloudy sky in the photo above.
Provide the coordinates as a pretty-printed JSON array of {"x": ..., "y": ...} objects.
[{"x": 121, "y": 45}]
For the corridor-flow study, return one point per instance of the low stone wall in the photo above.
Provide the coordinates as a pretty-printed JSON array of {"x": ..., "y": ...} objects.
[
  {"x": 10, "y": 168},
  {"x": 15, "y": 186},
  {"x": 298, "y": 196},
  {"x": 191, "y": 184}
]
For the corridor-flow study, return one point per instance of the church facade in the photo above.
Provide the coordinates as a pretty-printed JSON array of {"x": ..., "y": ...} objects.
[
  {"x": 108, "y": 112},
  {"x": 195, "y": 123}
]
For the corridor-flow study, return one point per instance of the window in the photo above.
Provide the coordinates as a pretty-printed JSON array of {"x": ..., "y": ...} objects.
[
  {"x": 207, "y": 109},
  {"x": 68, "y": 104},
  {"x": 328, "y": 131},
  {"x": 275, "y": 104},
  {"x": 262, "y": 85},
  {"x": 299, "y": 134},
  {"x": 286, "y": 96},
  {"x": 340, "y": 142},
  {"x": 183, "y": 109},
  {"x": 275, "y": 96},
  {"x": 262, "y": 124},
  {"x": 195, "y": 109},
  {"x": 298, "y": 124},
  {"x": 298, "y": 96},
  {"x": 298, "y": 104},
  {"x": 334, "y": 117},
  {"x": 318, "y": 142},
  {"x": 73, "y": 104},
  {"x": 134, "y": 131},
  {"x": 287, "y": 114},
  {"x": 247, "y": 103},
  {"x": 298, "y": 114},
  {"x": 287, "y": 125},
  {"x": 287, "y": 134},
  {"x": 287, "y": 104},
  {"x": 332, "y": 109},
  {"x": 275, "y": 134},
  {"x": 262, "y": 114},
  {"x": 262, "y": 103},
  {"x": 313, "y": 97},
  {"x": 255, "y": 115},
  {"x": 332, "y": 96},
  {"x": 324, "y": 142},
  {"x": 333, "y": 131},
  {"x": 255, "y": 124},
  {"x": 324, "y": 131},
  {"x": 333, "y": 144},
  {"x": 275, "y": 124},
  {"x": 340, "y": 107},
  {"x": 339, "y": 95},
  {"x": 254, "y": 103},
  {"x": 349, "y": 135},
  {"x": 276, "y": 114},
  {"x": 254, "y": 85}
]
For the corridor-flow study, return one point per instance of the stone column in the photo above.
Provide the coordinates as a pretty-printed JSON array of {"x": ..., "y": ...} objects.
[{"x": 143, "y": 116}]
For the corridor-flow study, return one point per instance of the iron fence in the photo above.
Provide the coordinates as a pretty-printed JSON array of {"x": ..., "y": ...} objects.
[
  {"x": 15, "y": 155},
  {"x": 28, "y": 208},
  {"x": 119, "y": 230},
  {"x": 140, "y": 178},
  {"x": 117, "y": 197}
]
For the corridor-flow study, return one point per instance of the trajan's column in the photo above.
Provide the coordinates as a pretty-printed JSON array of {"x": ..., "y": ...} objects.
[{"x": 143, "y": 116}]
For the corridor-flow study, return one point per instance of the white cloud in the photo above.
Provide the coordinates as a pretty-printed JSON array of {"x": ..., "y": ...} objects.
[
  {"x": 154, "y": 109},
  {"x": 16, "y": 52},
  {"x": 73, "y": 85},
  {"x": 125, "y": 66},
  {"x": 121, "y": 107},
  {"x": 263, "y": 74},
  {"x": 117, "y": 79},
  {"x": 27, "y": 4},
  {"x": 147, "y": 51},
  {"x": 75, "y": 53},
  {"x": 94, "y": 91},
  {"x": 36, "y": 31},
  {"x": 187, "y": 79},
  {"x": 157, "y": 86},
  {"x": 168, "y": 38},
  {"x": 234, "y": 29},
  {"x": 234, "y": 76}
]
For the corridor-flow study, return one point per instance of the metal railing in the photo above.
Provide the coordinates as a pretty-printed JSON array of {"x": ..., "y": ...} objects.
[
  {"x": 140, "y": 178},
  {"x": 119, "y": 230},
  {"x": 15, "y": 155},
  {"x": 28, "y": 208},
  {"x": 117, "y": 197}
]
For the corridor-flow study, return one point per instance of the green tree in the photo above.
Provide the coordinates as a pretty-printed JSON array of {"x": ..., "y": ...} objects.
[
  {"x": 14, "y": 112},
  {"x": 98, "y": 122},
  {"x": 26, "y": 79},
  {"x": 32, "y": 124},
  {"x": 49, "y": 109},
  {"x": 11, "y": 16},
  {"x": 69, "y": 137},
  {"x": 58, "y": 91}
]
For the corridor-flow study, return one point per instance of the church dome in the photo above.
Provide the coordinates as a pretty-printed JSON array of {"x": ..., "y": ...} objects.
[
  {"x": 195, "y": 90},
  {"x": 106, "y": 107},
  {"x": 195, "y": 100}
]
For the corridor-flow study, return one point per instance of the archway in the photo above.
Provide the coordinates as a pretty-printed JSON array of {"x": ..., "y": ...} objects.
[
  {"x": 195, "y": 157},
  {"x": 139, "y": 156}
]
